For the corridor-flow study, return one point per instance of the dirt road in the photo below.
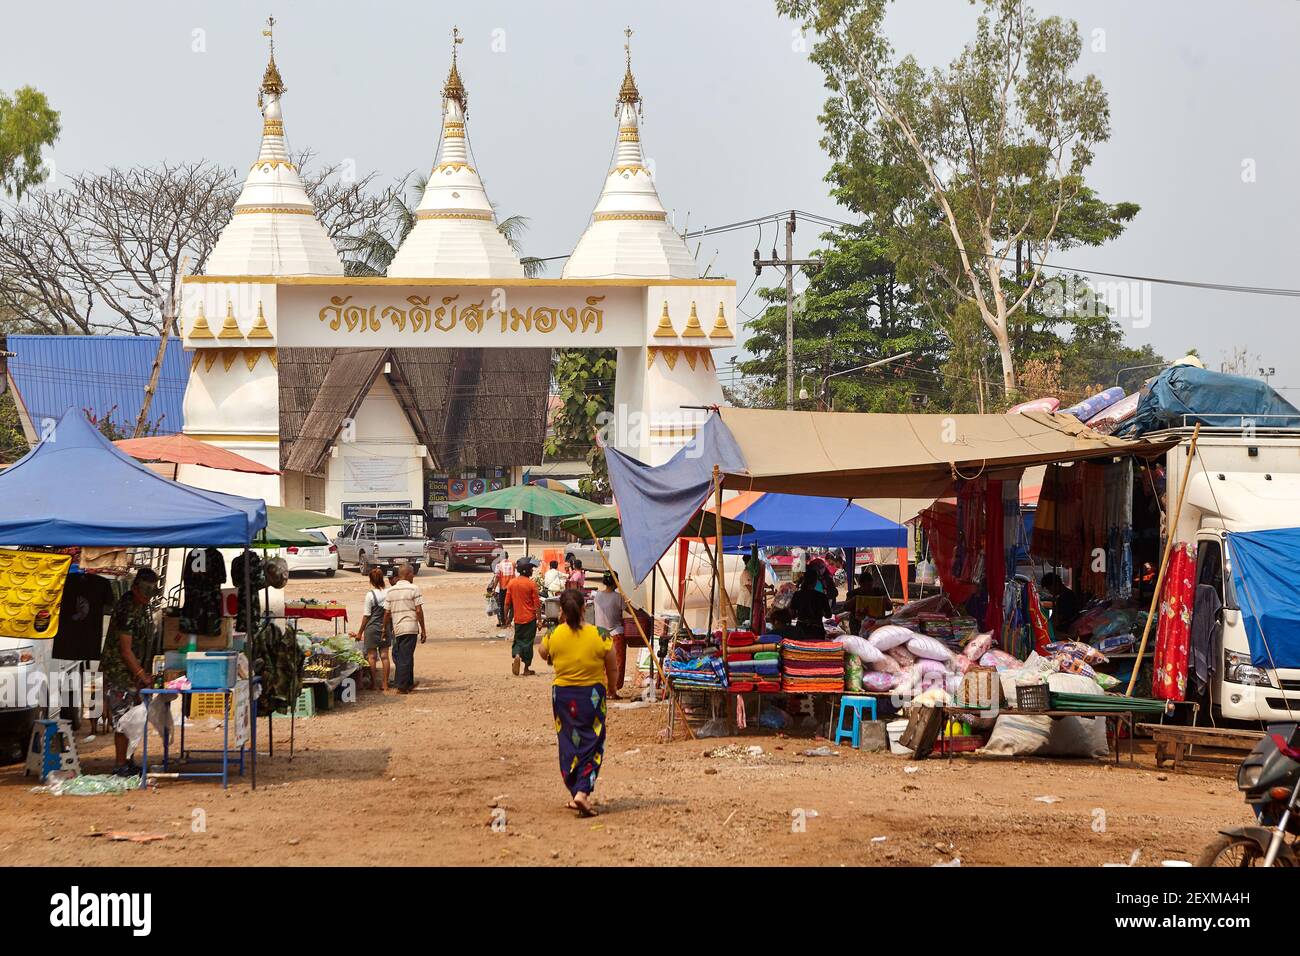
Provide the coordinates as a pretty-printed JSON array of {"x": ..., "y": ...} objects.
[{"x": 420, "y": 779}]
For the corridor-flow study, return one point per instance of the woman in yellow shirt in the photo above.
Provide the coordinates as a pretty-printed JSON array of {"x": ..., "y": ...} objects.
[{"x": 584, "y": 670}]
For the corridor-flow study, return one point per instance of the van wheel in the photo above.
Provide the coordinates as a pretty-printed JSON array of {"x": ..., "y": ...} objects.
[{"x": 363, "y": 566}]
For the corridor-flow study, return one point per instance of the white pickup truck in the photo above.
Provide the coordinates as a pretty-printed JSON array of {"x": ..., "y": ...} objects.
[
  {"x": 1241, "y": 479},
  {"x": 382, "y": 537}
]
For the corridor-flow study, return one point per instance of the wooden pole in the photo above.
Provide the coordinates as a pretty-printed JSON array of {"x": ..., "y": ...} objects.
[
  {"x": 1172, "y": 531},
  {"x": 726, "y": 608}
]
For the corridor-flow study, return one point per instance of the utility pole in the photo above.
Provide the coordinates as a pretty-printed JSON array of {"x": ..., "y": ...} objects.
[{"x": 788, "y": 263}]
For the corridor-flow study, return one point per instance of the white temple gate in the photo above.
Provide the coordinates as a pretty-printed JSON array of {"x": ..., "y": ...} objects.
[{"x": 275, "y": 280}]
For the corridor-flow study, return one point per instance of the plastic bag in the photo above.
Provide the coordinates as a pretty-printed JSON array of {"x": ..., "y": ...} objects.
[
  {"x": 860, "y": 648},
  {"x": 891, "y": 635},
  {"x": 131, "y": 724},
  {"x": 929, "y": 648}
]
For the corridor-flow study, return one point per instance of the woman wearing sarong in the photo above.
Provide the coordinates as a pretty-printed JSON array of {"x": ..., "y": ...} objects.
[{"x": 585, "y": 668}]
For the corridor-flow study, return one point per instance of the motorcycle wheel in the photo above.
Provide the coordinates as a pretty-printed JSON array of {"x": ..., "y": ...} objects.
[{"x": 1234, "y": 852}]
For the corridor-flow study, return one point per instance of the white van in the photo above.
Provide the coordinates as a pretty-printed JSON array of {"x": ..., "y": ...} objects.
[
  {"x": 34, "y": 684},
  {"x": 1241, "y": 479}
]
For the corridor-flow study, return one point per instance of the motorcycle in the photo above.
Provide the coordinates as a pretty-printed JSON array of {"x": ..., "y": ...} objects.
[{"x": 1270, "y": 779}]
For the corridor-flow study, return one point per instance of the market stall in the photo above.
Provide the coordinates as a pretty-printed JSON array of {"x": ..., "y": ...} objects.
[
  {"x": 986, "y": 620},
  {"x": 118, "y": 503}
]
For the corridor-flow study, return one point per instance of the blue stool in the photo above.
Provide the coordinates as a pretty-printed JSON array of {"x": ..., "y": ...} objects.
[
  {"x": 853, "y": 706},
  {"x": 52, "y": 748}
]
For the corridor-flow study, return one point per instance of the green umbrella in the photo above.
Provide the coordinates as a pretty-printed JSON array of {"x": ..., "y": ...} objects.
[
  {"x": 286, "y": 526},
  {"x": 605, "y": 523},
  {"x": 530, "y": 499}
]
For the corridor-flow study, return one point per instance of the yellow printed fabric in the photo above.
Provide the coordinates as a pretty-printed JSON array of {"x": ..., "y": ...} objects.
[
  {"x": 577, "y": 656},
  {"x": 31, "y": 590}
]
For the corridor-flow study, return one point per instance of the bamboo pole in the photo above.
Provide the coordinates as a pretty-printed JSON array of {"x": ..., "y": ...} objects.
[
  {"x": 1172, "y": 531},
  {"x": 725, "y": 607}
]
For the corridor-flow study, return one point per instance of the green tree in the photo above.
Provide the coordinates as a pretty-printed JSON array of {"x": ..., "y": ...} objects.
[
  {"x": 963, "y": 169},
  {"x": 27, "y": 123},
  {"x": 583, "y": 382},
  {"x": 852, "y": 312}
]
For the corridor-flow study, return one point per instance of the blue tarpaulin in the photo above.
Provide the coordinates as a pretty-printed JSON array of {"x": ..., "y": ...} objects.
[
  {"x": 655, "y": 503},
  {"x": 807, "y": 522},
  {"x": 1185, "y": 395},
  {"x": 75, "y": 488},
  {"x": 1265, "y": 572}
]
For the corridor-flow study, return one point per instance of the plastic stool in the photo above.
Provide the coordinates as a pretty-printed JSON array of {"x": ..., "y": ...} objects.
[
  {"x": 52, "y": 749},
  {"x": 855, "y": 706}
]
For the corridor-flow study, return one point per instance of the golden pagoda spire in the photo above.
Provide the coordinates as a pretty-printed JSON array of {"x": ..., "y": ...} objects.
[
  {"x": 628, "y": 93},
  {"x": 454, "y": 89},
  {"x": 272, "y": 84}
]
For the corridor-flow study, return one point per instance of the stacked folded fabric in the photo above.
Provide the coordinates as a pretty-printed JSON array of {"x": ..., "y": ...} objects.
[
  {"x": 702, "y": 672},
  {"x": 754, "y": 661},
  {"x": 812, "y": 666}
]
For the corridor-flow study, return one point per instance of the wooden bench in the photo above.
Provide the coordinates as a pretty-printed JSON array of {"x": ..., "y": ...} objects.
[{"x": 1172, "y": 741}]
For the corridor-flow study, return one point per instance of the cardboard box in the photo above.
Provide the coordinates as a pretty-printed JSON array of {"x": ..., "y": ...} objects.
[{"x": 174, "y": 639}]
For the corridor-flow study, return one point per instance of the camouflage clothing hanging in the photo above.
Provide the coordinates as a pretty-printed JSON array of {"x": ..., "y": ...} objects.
[
  {"x": 202, "y": 576},
  {"x": 278, "y": 662},
  {"x": 256, "y": 580}
]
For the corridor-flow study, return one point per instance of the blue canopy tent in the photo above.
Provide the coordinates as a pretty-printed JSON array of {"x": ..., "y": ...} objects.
[
  {"x": 1265, "y": 568},
  {"x": 810, "y": 522},
  {"x": 76, "y": 489}
]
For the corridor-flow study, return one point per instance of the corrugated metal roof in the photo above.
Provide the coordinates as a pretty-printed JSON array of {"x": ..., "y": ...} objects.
[{"x": 103, "y": 373}]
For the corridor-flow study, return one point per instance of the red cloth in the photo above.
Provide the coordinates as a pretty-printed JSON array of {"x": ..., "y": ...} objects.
[
  {"x": 995, "y": 569},
  {"x": 940, "y": 524},
  {"x": 1169, "y": 675},
  {"x": 1038, "y": 626},
  {"x": 316, "y": 613}
]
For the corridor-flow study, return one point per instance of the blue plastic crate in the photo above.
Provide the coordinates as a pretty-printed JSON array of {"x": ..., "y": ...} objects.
[{"x": 211, "y": 670}]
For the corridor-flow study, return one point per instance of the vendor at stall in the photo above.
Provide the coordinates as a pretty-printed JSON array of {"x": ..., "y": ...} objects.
[
  {"x": 130, "y": 636},
  {"x": 810, "y": 607},
  {"x": 1065, "y": 603}
]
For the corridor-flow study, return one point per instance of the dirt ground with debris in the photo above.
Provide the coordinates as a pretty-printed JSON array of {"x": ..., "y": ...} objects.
[{"x": 419, "y": 779}]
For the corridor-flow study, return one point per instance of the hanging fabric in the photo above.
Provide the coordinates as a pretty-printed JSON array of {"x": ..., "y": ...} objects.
[
  {"x": 995, "y": 564},
  {"x": 256, "y": 581},
  {"x": 1119, "y": 523},
  {"x": 202, "y": 576},
  {"x": 1169, "y": 673}
]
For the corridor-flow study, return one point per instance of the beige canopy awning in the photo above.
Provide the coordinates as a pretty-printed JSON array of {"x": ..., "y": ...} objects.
[{"x": 855, "y": 455}]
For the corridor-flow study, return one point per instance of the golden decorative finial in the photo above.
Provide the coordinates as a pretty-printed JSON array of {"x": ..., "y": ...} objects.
[
  {"x": 454, "y": 89},
  {"x": 665, "y": 328},
  {"x": 693, "y": 329},
  {"x": 628, "y": 93},
  {"x": 721, "y": 330},
  {"x": 272, "y": 84}
]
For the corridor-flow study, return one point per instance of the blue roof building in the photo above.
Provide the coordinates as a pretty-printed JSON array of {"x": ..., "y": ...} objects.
[{"x": 103, "y": 374}]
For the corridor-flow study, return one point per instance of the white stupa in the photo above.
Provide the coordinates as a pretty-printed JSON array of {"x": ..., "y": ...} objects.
[
  {"x": 274, "y": 230},
  {"x": 455, "y": 233},
  {"x": 629, "y": 235}
]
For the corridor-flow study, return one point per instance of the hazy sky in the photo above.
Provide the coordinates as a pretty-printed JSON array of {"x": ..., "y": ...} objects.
[{"x": 1196, "y": 90}]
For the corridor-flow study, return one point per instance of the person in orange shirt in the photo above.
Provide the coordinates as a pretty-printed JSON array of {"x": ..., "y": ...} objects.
[{"x": 524, "y": 602}]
